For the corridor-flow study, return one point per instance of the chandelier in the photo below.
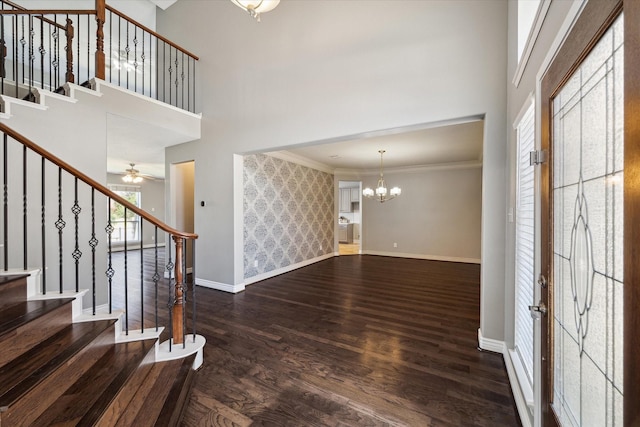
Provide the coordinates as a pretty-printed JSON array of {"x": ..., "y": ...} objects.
[
  {"x": 256, "y": 7},
  {"x": 381, "y": 190},
  {"x": 132, "y": 175}
]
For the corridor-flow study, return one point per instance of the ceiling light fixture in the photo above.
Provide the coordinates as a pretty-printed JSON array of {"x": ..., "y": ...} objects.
[
  {"x": 256, "y": 7},
  {"x": 381, "y": 190},
  {"x": 132, "y": 175}
]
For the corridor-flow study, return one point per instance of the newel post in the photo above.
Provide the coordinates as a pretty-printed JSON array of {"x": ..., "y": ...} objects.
[
  {"x": 178, "y": 306},
  {"x": 100, "y": 19},
  {"x": 69, "y": 33}
]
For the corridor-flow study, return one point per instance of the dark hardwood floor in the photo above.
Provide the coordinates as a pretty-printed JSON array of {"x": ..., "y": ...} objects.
[{"x": 349, "y": 341}]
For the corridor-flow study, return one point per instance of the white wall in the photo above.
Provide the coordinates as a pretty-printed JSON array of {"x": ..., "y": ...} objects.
[
  {"x": 438, "y": 216},
  {"x": 315, "y": 70}
]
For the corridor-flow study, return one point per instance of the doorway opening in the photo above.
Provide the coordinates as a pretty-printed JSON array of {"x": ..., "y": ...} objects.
[{"x": 349, "y": 217}]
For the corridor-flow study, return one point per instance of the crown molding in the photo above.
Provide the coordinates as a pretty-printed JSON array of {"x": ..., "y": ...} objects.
[{"x": 300, "y": 160}]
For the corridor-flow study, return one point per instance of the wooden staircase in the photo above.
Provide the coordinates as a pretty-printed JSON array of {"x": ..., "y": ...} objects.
[{"x": 57, "y": 372}]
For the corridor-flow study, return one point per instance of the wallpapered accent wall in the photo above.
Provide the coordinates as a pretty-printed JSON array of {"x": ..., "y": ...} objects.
[{"x": 288, "y": 214}]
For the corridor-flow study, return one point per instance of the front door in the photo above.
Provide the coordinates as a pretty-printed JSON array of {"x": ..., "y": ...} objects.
[{"x": 589, "y": 358}]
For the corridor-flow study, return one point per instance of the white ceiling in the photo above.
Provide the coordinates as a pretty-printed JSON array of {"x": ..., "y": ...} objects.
[
  {"x": 437, "y": 144},
  {"x": 133, "y": 141}
]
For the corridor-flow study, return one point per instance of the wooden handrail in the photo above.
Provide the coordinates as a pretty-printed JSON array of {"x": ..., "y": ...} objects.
[
  {"x": 149, "y": 30},
  {"x": 46, "y": 12},
  {"x": 101, "y": 188}
]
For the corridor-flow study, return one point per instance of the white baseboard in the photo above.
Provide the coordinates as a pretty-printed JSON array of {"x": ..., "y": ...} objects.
[
  {"x": 497, "y": 346},
  {"x": 288, "y": 268},
  {"x": 423, "y": 256},
  {"x": 490, "y": 344},
  {"x": 234, "y": 289}
]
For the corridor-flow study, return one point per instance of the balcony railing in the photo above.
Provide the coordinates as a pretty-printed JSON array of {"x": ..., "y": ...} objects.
[{"x": 47, "y": 48}]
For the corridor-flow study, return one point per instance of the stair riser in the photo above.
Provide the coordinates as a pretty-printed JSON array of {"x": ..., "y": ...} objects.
[
  {"x": 31, "y": 406},
  {"x": 25, "y": 337},
  {"x": 13, "y": 292}
]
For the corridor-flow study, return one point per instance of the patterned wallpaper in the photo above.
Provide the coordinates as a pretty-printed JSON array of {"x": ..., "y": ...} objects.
[{"x": 288, "y": 213}]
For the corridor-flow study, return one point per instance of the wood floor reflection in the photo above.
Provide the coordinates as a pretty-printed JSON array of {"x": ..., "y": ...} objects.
[
  {"x": 349, "y": 249},
  {"x": 356, "y": 340}
]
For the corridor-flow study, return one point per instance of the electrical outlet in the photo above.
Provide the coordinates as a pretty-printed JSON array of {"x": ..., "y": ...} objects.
[
  {"x": 395, "y": 245},
  {"x": 255, "y": 262}
]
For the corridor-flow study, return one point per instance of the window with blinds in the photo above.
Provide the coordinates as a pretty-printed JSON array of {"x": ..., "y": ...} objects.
[{"x": 525, "y": 243}]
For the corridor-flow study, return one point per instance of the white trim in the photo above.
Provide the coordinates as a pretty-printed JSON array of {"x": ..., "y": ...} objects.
[
  {"x": 531, "y": 41},
  {"x": 490, "y": 344},
  {"x": 234, "y": 289},
  {"x": 521, "y": 395},
  {"x": 519, "y": 370},
  {"x": 286, "y": 269},
  {"x": 473, "y": 164},
  {"x": 178, "y": 352},
  {"x": 300, "y": 160},
  {"x": 424, "y": 256},
  {"x": 97, "y": 85},
  {"x": 563, "y": 32},
  {"x": 524, "y": 110}
]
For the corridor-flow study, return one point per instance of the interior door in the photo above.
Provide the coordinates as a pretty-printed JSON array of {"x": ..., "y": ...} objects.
[{"x": 589, "y": 207}]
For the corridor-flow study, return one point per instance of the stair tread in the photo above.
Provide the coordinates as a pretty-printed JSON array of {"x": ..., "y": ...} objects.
[
  {"x": 176, "y": 399},
  {"x": 23, "y": 312},
  {"x": 87, "y": 398},
  {"x": 10, "y": 278},
  {"x": 160, "y": 397},
  {"x": 25, "y": 372}
]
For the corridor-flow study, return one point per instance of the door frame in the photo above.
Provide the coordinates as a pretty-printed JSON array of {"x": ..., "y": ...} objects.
[{"x": 593, "y": 21}]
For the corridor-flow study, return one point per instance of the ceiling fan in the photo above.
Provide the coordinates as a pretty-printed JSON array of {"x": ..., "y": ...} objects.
[{"x": 133, "y": 175}]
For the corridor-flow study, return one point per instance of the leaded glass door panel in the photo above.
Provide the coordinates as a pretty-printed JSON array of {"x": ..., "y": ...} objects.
[
  {"x": 590, "y": 205},
  {"x": 587, "y": 194}
]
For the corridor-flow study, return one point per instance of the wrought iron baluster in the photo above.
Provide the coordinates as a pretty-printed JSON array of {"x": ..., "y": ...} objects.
[
  {"x": 60, "y": 224},
  {"x": 193, "y": 287},
  {"x": 182, "y": 82},
  {"x": 110, "y": 46},
  {"x": 170, "y": 76},
  {"x": 127, "y": 50},
  {"x": 184, "y": 289},
  {"x": 126, "y": 277},
  {"x": 56, "y": 55},
  {"x": 32, "y": 57},
  {"x": 76, "y": 209},
  {"x": 158, "y": 69},
  {"x": 93, "y": 242},
  {"x": 78, "y": 50},
  {"x": 156, "y": 276},
  {"x": 42, "y": 51},
  {"x": 44, "y": 235},
  {"x": 25, "y": 245},
  {"x": 110, "y": 271},
  {"x": 170, "y": 267},
  {"x": 5, "y": 194},
  {"x": 135, "y": 58},
  {"x": 23, "y": 42},
  {"x": 142, "y": 57},
  {"x": 141, "y": 276},
  {"x": 3, "y": 53},
  {"x": 119, "y": 48},
  {"x": 88, "y": 49}
]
